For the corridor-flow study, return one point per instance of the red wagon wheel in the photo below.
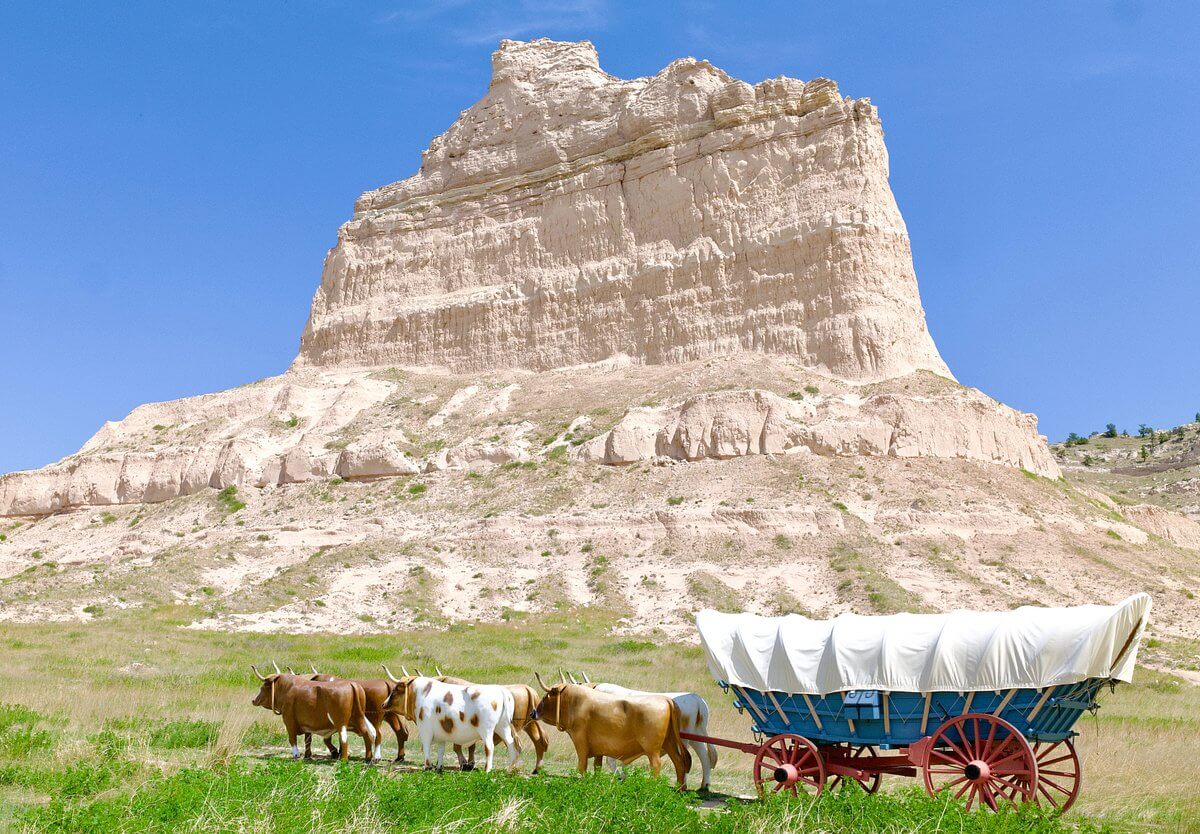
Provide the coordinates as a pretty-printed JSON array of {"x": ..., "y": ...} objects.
[
  {"x": 1059, "y": 774},
  {"x": 788, "y": 762},
  {"x": 983, "y": 758},
  {"x": 869, "y": 783}
]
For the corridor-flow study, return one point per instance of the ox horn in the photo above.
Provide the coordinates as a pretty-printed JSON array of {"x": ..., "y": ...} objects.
[
  {"x": 438, "y": 669},
  {"x": 257, "y": 673},
  {"x": 313, "y": 666},
  {"x": 392, "y": 677},
  {"x": 291, "y": 671},
  {"x": 572, "y": 675},
  {"x": 561, "y": 676},
  {"x": 540, "y": 683},
  {"x": 586, "y": 679},
  {"x": 278, "y": 671},
  {"x": 403, "y": 671}
]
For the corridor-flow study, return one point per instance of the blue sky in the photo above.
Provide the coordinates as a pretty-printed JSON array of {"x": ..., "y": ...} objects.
[{"x": 171, "y": 176}]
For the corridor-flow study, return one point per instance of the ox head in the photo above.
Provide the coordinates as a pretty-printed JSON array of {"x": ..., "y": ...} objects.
[
  {"x": 402, "y": 696},
  {"x": 266, "y": 692},
  {"x": 553, "y": 705}
]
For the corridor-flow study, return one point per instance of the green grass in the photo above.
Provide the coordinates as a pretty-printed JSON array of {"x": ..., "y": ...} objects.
[{"x": 286, "y": 797}]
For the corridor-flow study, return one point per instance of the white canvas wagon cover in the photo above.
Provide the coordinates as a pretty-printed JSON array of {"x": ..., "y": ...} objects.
[{"x": 962, "y": 651}]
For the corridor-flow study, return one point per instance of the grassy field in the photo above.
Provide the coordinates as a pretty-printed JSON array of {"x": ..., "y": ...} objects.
[{"x": 134, "y": 723}]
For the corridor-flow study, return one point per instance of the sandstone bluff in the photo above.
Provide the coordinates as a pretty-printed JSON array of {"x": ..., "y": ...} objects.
[{"x": 660, "y": 316}]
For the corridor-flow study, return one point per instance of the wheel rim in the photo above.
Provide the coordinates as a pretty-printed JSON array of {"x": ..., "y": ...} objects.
[
  {"x": 983, "y": 760},
  {"x": 789, "y": 763},
  {"x": 871, "y": 782},
  {"x": 1059, "y": 774}
]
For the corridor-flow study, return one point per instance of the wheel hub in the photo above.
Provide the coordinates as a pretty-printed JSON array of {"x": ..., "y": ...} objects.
[
  {"x": 786, "y": 774},
  {"x": 977, "y": 771}
]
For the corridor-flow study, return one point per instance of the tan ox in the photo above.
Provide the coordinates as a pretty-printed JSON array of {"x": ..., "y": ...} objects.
[
  {"x": 377, "y": 691},
  {"x": 319, "y": 707},
  {"x": 524, "y": 700},
  {"x": 619, "y": 728}
]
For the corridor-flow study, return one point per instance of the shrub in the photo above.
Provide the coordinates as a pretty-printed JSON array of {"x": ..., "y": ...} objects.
[
  {"x": 675, "y": 500},
  {"x": 228, "y": 500},
  {"x": 417, "y": 489}
]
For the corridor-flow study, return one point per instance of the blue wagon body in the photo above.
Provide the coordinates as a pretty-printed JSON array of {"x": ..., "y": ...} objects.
[{"x": 897, "y": 719}]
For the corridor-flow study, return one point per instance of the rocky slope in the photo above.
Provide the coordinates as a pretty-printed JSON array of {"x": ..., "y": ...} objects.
[{"x": 644, "y": 344}]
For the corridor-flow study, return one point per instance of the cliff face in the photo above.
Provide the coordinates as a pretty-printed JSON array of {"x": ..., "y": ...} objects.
[{"x": 570, "y": 216}]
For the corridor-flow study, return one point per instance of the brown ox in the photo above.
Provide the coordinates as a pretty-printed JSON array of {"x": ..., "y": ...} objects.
[
  {"x": 524, "y": 700},
  {"x": 377, "y": 691},
  {"x": 319, "y": 707},
  {"x": 619, "y": 728}
]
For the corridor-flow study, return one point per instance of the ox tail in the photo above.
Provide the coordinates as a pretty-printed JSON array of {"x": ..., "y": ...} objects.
[
  {"x": 526, "y": 715},
  {"x": 674, "y": 739},
  {"x": 358, "y": 713}
]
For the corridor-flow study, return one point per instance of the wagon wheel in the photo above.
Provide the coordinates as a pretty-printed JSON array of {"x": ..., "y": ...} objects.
[
  {"x": 870, "y": 783},
  {"x": 788, "y": 762},
  {"x": 983, "y": 758},
  {"x": 1059, "y": 774}
]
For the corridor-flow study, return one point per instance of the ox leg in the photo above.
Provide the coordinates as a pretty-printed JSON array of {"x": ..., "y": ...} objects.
[
  {"x": 582, "y": 752},
  {"x": 292, "y": 741},
  {"x": 331, "y": 747},
  {"x": 369, "y": 736},
  {"x": 534, "y": 731},
  {"x": 701, "y": 751},
  {"x": 426, "y": 745},
  {"x": 597, "y": 764},
  {"x": 514, "y": 747},
  {"x": 345, "y": 755},
  {"x": 401, "y": 735},
  {"x": 489, "y": 750},
  {"x": 655, "y": 762},
  {"x": 307, "y": 746},
  {"x": 674, "y": 754},
  {"x": 441, "y": 755}
]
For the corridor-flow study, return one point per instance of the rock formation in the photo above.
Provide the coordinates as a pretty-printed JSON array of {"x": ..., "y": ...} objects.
[{"x": 569, "y": 217}]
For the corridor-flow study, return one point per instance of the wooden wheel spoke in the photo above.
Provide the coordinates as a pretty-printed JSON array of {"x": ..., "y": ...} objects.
[
  {"x": 946, "y": 758},
  {"x": 987, "y": 797},
  {"x": 971, "y": 797},
  {"x": 1049, "y": 798},
  {"x": 1070, "y": 774},
  {"x": 1065, "y": 758},
  {"x": 964, "y": 789},
  {"x": 991, "y": 737}
]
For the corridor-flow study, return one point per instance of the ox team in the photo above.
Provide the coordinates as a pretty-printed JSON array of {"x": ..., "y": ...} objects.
[{"x": 604, "y": 721}]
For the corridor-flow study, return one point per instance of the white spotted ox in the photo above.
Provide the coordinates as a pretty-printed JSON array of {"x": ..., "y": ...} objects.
[
  {"x": 693, "y": 718},
  {"x": 447, "y": 713}
]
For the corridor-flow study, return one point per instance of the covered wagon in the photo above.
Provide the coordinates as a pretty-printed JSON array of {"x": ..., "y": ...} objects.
[{"x": 982, "y": 704}]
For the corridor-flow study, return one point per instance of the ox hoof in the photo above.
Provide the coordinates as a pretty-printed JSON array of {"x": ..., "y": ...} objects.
[
  {"x": 468, "y": 766},
  {"x": 399, "y": 759}
]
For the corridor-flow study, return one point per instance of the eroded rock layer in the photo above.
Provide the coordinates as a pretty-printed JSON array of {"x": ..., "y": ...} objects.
[{"x": 570, "y": 216}]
